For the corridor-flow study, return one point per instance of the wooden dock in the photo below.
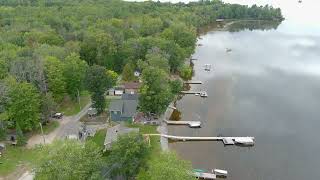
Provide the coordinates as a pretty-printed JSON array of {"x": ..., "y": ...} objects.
[
  {"x": 244, "y": 140},
  {"x": 191, "y": 92},
  {"x": 193, "y": 82},
  {"x": 189, "y": 123}
]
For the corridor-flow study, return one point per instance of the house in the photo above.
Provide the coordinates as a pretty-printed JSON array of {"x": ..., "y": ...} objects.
[
  {"x": 131, "y": 87},
  {"x": 111, "y": 92},
  {"x": 116, "y": 91},
  {"x": 114, "y": 132},
  {"x": 125, "y": 108}
]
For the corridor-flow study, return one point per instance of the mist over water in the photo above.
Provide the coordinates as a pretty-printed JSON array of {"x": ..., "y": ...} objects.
[{"x": 268, "y": 87}]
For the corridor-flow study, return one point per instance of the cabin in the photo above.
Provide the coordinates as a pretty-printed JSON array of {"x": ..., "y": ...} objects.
[
  {"x": 124, "y": 109},
  {"x": 131, "y": 87},
  {"x": 114, "y": 132}
]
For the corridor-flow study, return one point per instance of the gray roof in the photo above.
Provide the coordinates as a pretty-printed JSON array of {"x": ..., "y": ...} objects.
[
  {"x": 129, "y": 96},
  {"x": 115, "y": 131},
  {"x": 129, "y": 108},
  {"x": 116, "y": 105}
]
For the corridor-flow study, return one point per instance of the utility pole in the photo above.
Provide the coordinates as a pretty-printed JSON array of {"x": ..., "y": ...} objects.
[
  {"x": 79, "y": 98},
  {"x": 44, "y": 139}
]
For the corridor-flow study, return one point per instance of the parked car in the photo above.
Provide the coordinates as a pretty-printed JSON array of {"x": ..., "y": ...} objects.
[{"x": 57, "y": 115}]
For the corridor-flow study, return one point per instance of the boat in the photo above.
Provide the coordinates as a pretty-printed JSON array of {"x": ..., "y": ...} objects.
[
  {"x": 228, "y": 50},
  {"x": 244, "y": 141},
  {"x": 207, "y": 67},
  {"x": 196, "y": 94},
  {"x": 203, "y": 94},
  {"x": 300, "y": 1},
  {"x": 220, "y": 172},
  {"x": 195, "y": 124}
]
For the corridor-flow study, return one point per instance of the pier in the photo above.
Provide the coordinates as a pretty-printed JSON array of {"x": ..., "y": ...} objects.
[
  {"x": 189, "y": 123},
  {"x": 201, "y": 175},
  {"x": 236, "y": 140},
  {"x": 193, "y": 82}
]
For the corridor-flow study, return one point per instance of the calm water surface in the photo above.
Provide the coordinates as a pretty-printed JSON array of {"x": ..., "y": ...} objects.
[{"x": 267, "y": 87}]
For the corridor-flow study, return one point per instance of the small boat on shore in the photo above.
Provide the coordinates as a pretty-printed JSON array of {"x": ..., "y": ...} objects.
[
  {"x": 244, "y": 141},
  {"x": 203, "y": 94},
  {"x": 195, "y": 124},
  {"x": 220, "y": 172}
]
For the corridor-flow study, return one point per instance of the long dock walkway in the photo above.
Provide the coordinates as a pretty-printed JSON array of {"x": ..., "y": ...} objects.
[
  {"x": 193, "y": 82},
  {"x": 243, "y": 140},
  {"x": 204, "y": 175},
  {"x": 190, "y": 123}
]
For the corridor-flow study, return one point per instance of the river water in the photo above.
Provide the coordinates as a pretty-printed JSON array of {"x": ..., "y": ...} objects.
[{"x": 268, "y": 87}]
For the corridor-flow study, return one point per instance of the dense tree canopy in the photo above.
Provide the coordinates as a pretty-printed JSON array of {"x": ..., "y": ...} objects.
[
  {"x": 127, "y": 156},
  {"x": 48, "y": 45},
  {"x": 167, "y": 166},
  {"x": 155, "y": 92},
  {"x": 70, "y": 159}
]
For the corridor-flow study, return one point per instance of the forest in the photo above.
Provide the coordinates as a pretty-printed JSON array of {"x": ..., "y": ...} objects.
[{"x": 52, "y": 49}]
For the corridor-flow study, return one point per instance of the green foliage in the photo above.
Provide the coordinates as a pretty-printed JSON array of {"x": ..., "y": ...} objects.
[
  {"x": 128, "y": 72},
  {"x": 48, "y": 107},
  {"x": 186, "y": 72},
  {"x": 97, "y": 83},
  {"x": 176, "y": 86},
  {"x": 54, "y": 69},
  {"x": 158, "y": 60},
  {"x": 3, "y": 68},
  {"x": 24, "y": 105},
  {"x": 155, "y": 91},
  {"x": 113, "y": 76},
  {"x": 127, "y": 155},
  {"x": 74, "y": 74},
  {"x": 21, "y": 140},
  {"x": 70, "y": 160},
  {"x": 167, "y": 166}
]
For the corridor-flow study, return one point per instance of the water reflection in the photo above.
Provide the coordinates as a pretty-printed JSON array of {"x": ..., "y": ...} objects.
[{"x": 253, "y": 25}]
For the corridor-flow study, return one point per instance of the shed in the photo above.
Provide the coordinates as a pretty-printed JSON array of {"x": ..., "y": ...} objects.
[{"x": 131, "y": 87}]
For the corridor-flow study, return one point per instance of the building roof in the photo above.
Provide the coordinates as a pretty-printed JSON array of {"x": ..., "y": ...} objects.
[
  {"x": 131, "y": 85},
  {"x": 130, "y": 97},
  {"x": 129, "y": 108},
  {"x": 116, "y": 105},
  {"x": 115, "y": 131}
]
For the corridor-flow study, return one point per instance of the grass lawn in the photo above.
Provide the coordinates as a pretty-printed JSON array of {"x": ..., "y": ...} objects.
[
  {"x": 154, "y": 140},
  {"x": 49, "y": 127},
  {"x": 14, "y": 157},
  {"x": 99, "y": 137},
  {"x": 70, "y": 107}
]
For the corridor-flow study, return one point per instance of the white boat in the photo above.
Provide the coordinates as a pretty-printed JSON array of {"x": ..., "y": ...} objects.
[
  {"x": 195, "y": 124},
  {"x": 244, "y": 140},
  {"x": 207, "y": 67},
  {"x": 203, "y": 94},
  {"x": 220, "y": 172},
  {"x": 196, "y": 94}
]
